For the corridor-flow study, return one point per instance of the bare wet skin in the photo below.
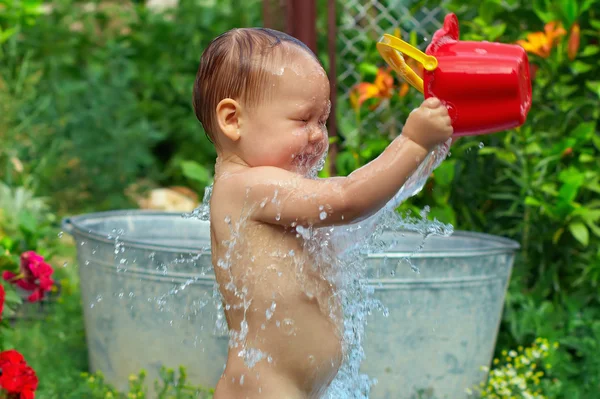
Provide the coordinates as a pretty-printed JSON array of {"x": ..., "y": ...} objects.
[
  {"x": 277, "y": 272},
  {"x": 291, "y": 313}
]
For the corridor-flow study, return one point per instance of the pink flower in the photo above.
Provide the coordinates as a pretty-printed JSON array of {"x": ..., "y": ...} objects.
[{"x": 35, "y": 275}]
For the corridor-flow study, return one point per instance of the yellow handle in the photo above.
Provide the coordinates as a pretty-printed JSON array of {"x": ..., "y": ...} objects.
[{"x": 393, "y": 49}]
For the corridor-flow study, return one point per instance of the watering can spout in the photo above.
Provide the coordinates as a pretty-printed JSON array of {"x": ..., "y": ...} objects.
[{"x": 486, "y": 86}]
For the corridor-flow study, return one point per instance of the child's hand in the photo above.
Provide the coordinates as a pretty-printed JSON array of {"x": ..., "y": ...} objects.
[{"x": 429, "y": 125}]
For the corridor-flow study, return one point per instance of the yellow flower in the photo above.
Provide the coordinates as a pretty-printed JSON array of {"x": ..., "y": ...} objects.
[{"x": 541, "y": 43}]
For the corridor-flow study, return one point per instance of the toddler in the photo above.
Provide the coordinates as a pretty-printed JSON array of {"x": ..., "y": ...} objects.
[{"x": 263, "y": 100}]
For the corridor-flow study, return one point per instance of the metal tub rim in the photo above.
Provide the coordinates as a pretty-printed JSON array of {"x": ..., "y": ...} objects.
[{"x": 497, "y": 244}]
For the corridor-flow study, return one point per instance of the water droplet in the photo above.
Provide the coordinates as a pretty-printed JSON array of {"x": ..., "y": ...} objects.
[
  {"x": 480, "y": 145},
  {"x": 269, "y": 312},
  {"x": 392, "y": 273},
  {"x": 65, "y": 264},
  {"x": 60, "y": 234},
  {"x": 87, "y": 262},
  {"x": 288, "y": 326},
  {"x": 278, "y": 217},
  {"x": 227, "y": 219},
  {"x": 323, "y": 215}
]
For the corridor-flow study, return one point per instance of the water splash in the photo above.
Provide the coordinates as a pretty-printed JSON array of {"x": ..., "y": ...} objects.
[{"x": 343, "y": 248}]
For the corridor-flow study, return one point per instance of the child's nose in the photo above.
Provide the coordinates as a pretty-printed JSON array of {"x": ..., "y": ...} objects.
[{"x": 316, "y": 134}]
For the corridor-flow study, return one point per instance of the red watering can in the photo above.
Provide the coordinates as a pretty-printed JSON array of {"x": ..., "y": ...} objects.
[{"x": 486, "y": 86}]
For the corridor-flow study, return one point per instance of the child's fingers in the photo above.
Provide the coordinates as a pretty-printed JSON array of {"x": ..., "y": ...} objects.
[{"x": 432, "y": 102}]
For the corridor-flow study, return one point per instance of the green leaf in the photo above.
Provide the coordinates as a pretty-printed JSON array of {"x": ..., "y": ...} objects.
[
  {"x": 594, "y": 227},
  {"x": 6, "y": 34},
  {"x": 12, "y": 297},
  {"x": 584, "y": 131},
  {"x": 495, "y": 31},
  {"x": 568, "y": 192},
  {"x": 532, "y": 201},
  {"x": 27, "y": 221},
  {"x": 444, "y": 174},
  {"x": 345, "y": 163},
  {"x": 580, "y": 232},
  {"x": 585, "y": 5},
  {"x": 595, "y": 23},
  {"x": 444, "y": 214},
  {"x": 594, "y": 86},
  {"x": 589, "y": 51},
  {"x": 585, "y": 158},
  {"x": 541, "y": 9},
  {"x": 557, "y": 234},
  {"x": 589, "y": 215},
  {"x": 569, "y": 10},
  {"x": 367, "y": 69},
  {"x": 580, "y": 67},
  {"x": 194, "y": 171}
]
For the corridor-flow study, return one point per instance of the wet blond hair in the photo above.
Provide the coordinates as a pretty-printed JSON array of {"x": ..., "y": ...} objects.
[{"x": 236, "y": 65}]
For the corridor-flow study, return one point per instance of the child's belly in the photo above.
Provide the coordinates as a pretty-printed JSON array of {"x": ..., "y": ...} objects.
[{"x": 294, "y": 320}]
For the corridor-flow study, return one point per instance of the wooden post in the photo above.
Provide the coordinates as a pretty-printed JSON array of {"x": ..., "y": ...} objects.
[
  {"x": 267, "y": 14},
  {"x": 301, "y": 21},
  {"x": 331, "y": 48},
  {"x": 274, "y": 14}
]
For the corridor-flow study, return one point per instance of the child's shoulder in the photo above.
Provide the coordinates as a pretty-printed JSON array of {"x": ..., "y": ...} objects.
[{"x": 250, "y": 177}]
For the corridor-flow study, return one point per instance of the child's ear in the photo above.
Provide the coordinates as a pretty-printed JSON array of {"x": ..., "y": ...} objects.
[{"x": 229, "y": 118}]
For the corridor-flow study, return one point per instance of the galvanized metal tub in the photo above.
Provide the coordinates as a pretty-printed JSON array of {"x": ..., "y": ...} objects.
[
  {"x": 443, "y": 322},
  {"x": 148, "y": 295},
  {"x": 130, "y": 263}
]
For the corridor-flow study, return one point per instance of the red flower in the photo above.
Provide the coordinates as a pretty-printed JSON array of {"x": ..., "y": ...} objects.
[
  {"x": 2, "y": 296},
  {"x": 35, "y": 275},
  {"x": 17, "y": 378}
]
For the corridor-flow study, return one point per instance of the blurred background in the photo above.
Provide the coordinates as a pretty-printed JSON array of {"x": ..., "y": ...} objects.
[{"x": 95, "y": 114}]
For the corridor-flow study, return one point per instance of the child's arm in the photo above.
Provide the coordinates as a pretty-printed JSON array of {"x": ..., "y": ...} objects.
[{"x": 286, "y": 198}]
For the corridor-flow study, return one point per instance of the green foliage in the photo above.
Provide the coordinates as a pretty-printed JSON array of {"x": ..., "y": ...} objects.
[
  {"x": 170, "y": 386},
  {"x": 26, "y": 224},
  {"x": 539, "y": 185},
  {"x": 98, "y": 98},
  {"x": 520, "y": 373}
]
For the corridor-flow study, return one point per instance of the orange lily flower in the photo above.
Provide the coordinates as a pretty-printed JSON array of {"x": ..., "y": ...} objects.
[
  {"x": 574, "y": 38},
  {"x": 541, "y": 43},
  {"x": 380, "y": 89}
]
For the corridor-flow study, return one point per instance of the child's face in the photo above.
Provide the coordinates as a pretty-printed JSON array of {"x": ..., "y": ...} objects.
[{"x": 288, "y": 130}]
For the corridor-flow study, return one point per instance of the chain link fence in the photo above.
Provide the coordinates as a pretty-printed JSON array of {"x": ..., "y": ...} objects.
[{"x": 362, "y": 24}]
